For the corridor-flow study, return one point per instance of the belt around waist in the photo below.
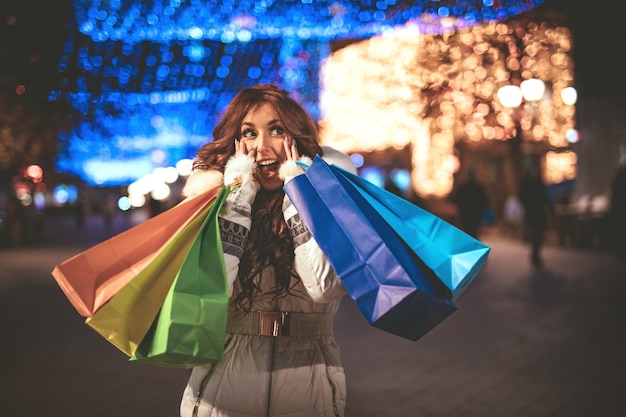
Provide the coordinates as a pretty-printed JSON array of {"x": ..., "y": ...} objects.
[{"x": 280, "y": 323}]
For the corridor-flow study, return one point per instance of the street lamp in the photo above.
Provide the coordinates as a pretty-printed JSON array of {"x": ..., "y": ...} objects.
[
  {"x": 510, "y": 96},
  {"x": 569, "y": 96},
  {"x": 532, "y": 89},
  {"x": 513, "y": 97}
]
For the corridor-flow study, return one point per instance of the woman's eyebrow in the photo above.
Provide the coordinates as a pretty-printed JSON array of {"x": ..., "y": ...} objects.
[{"x": 270, "y": 123}]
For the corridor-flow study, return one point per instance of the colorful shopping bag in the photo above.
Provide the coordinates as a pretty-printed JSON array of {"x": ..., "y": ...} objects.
[
  {"x": 451, "y": 254},
  {"x": 379, "y": 272},
  {"x": 126, "y": 318},
  {"x": 90, "y": 278},
  {"x": 190, "y": 328}
]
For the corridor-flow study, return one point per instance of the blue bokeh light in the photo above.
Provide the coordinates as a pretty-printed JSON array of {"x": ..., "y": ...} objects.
[
  {"x": 373, "y": 174},
  {"x": 148, "y": 75}
]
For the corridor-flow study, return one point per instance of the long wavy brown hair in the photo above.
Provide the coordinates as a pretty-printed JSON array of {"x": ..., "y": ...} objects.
[{"x": 269, "y": 241}]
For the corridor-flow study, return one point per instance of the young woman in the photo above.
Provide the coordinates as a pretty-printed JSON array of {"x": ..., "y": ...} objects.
[{"x": 280, "y": 355}]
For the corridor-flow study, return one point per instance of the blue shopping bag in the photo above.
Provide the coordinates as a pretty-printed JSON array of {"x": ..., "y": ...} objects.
[
  {"x": 448, "y": 252},
  {"x": 380, "y": 273}
]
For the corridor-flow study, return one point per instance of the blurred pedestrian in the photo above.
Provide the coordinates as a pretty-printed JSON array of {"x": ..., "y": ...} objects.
[
  {"x": 14, "y": 223},
  {"x": 618, "y": 211},
  {"x": 471, "y": 199},
  {"x": 537, "y": 208},
  {"x": 513, "y": 215}
]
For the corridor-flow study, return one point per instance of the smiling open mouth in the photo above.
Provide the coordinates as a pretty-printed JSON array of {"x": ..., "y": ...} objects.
[{"x": 268, "y": 168}]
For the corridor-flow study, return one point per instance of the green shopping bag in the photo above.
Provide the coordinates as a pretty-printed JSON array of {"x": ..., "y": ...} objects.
[{"x": 191, "y": 325}]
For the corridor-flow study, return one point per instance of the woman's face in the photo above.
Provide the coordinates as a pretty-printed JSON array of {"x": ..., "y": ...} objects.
[{"x": 262, "y": 132}]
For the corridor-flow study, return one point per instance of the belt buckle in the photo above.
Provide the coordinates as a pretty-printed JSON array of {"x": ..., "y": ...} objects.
[{"x": 273, "y": 323}]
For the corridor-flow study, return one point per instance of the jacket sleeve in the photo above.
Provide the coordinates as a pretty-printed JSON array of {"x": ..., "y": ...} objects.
[
  {"x": 234, "y": 222},
  {"x": 318, "y": 276},
  {"x": 235, "y": 216}
]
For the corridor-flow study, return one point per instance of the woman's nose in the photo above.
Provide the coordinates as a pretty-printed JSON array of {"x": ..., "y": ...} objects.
[{"x": 262, "y": 141}]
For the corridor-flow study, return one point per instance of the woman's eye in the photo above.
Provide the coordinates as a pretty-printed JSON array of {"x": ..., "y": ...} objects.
[
  {"x": 277, "y": 131},
  {"x": 248, "y": 134}
]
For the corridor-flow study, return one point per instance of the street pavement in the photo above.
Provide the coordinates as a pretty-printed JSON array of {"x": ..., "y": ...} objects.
[{"x": 530, "y": 342}]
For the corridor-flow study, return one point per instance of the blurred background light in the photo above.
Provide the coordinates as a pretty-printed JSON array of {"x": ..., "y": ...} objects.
[
  {"x": 532, "y": 89},
  {"x": 123, "y": 203},
  {"x": 569, "y": 95},
  {"x": 145, "y": 78},
  {"x": 431, "y": 95},
  {"x": 373, "y": 174}
]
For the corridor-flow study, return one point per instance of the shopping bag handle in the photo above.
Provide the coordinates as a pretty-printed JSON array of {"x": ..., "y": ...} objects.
[{"x": 234, "y": 185}]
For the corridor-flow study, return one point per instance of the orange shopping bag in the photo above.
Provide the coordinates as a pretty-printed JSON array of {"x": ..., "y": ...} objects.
[
  {"x": 125, "y": 319},
  {"x": 90, "y": 278}
]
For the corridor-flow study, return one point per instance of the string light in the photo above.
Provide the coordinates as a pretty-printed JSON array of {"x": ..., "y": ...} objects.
[
  {"x": 179, "y": 62},
  {"x": 431, "y": 91},
  {"x": 164, "y": 21}
]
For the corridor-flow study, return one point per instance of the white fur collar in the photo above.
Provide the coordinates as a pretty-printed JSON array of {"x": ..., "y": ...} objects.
[{"x": 202, "y": 180}]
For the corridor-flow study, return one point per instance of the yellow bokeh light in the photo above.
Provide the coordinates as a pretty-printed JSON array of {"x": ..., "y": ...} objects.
[{"x": 431, "y": 91}]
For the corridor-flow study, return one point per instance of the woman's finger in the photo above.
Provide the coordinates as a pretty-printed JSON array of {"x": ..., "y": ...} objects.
[
  {"x": 294, "y": 149},
  {"x": 287, "y": 148}
]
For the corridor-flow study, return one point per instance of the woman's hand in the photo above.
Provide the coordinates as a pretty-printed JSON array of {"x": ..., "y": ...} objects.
[
  {"x": 240, "y": 167},
  {"x": 290, "y": 168},
  {"x": 291, "y": 149},
  {"x": 242, "y": 149}
]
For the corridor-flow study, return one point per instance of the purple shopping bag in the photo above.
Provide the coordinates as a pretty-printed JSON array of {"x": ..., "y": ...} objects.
[{"x": 381, "y": 275}]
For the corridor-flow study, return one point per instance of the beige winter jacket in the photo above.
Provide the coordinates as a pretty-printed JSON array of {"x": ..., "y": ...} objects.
[{"x": 297, "y": 373}]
